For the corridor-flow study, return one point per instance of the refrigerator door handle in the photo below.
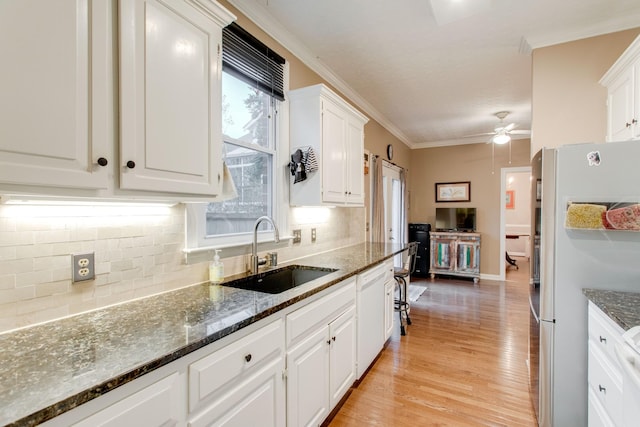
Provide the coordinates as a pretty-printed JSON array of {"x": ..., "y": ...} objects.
[{"x": 533, "y": 311}]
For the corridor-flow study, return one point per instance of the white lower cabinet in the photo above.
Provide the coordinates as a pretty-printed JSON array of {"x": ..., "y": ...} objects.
[
  {"x": 290, "y": 369},
  {"x": 241, "y": 384},
  {"x": 321, "y": 360},
  {"x": 605, "y": 376}
]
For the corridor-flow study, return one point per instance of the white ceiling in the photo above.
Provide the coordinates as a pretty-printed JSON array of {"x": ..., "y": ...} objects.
[{"x": 433, "y": 72}]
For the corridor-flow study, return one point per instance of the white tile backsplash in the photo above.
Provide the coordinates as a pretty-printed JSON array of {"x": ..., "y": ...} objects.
[{"x": 136, "y": 255}]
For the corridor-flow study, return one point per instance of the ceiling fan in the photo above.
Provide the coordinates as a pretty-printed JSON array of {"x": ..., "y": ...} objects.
[{"x": 502, "y": 134}]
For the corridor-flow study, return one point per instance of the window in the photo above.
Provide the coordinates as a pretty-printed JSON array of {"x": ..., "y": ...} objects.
[
  {"x": 253, "y": 81},
  {"x": 248, "y": 129}
]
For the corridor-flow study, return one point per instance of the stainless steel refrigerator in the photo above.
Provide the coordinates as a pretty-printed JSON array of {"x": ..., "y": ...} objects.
[{"x": 572, "y": 187}]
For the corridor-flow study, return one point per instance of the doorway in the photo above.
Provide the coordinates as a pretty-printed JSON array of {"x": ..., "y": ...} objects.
[
  {"x": 515, "y": 218},
  {"x": 394, "y": 221}
]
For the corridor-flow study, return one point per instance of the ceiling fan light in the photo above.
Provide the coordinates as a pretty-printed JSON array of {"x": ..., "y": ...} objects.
[{"x": 501, "y": 138}]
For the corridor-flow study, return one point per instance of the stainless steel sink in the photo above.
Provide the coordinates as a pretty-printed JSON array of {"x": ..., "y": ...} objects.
[{"x": 281, "y": 279}]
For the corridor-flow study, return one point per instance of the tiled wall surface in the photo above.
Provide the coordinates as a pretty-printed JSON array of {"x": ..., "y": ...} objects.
[{"x": 138, "y": 252}]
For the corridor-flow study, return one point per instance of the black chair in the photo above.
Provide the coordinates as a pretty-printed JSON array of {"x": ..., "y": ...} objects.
[
  {"x": 400, "y": 274},
  {"x": 511, "y": 261}
]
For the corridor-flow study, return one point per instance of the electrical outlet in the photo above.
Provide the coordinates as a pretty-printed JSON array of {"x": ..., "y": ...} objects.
[
  {"x": 313, "y": 234},
  {"x": 297, "y": 236},
  {"x": 83, "y": 267}
]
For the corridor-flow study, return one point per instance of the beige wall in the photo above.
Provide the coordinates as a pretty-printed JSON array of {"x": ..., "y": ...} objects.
[
  {"x": 472, "y": 163},
  {"x": 568, "y": 103}
]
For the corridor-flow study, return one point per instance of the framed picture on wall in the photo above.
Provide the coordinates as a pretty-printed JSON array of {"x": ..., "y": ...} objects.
[
  {"x": 510, "y": 199},
  {"x": 453, "y": 191}
]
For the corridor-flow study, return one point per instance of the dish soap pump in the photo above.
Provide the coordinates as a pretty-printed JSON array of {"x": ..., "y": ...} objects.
[{"x": 216, "y": 269}]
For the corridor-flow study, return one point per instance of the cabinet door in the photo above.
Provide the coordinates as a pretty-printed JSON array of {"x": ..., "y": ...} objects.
[
  {"x": 308, "y": 380},
  {"x": 333, "y": 154},
  {"x": 442, "y": 253},
  {"x": 342, "y": 364},
  {"x": 354, "y": 163},
  {"x": 170, "y": 113},
  {"x": 620, "y": 106},
  {"x": 54, "y": 88},
  {"x": 467, "y": 256},
  {"x": 258, "y": 401},
  {"x": 635, "y": 129}
]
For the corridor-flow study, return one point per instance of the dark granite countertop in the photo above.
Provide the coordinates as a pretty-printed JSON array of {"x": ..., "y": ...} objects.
[
  {"x": 622, "y": 307},
  {"x": 50, "y": 368}
]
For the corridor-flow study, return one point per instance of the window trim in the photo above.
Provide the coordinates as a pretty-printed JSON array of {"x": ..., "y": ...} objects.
[{"x": 195, "y": 213}]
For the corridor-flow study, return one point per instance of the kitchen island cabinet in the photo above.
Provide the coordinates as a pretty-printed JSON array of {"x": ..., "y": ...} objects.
[
  {"x": 605, "y": 377},
  {"x": 612, "y": 392},
  {"x": 93, "y": 360}
]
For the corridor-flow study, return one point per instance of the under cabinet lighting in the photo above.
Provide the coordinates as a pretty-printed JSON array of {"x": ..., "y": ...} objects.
[
  {"x": 33, "y": 207},
  {"x": 311, "y": 215},
  {"x": 31, "y": 200}
]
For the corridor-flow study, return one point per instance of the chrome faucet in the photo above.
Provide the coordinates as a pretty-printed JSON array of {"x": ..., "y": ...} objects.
[{"x": 255, "y": 260}]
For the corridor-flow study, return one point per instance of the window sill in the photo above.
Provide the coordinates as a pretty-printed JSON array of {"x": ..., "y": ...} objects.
[{"x": 201, "y": 254}]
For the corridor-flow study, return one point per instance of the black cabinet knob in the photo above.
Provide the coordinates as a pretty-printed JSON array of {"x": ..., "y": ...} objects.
[
  {"x": 248, "y": 357},
  {"x": 102, "y": 161},
  {"x": 131, "y": 164}
]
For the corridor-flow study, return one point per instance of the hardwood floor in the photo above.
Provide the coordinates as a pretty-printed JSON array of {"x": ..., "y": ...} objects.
[{"x": 462, "y": 362}]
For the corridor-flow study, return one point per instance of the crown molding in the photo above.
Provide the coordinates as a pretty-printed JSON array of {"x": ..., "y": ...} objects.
[
  {"x": 463, "y": 141},
  {"x": 261, "y": 17},
  {"x": 623, "y": 23}
]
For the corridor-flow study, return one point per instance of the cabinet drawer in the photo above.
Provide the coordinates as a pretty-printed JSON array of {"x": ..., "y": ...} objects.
[
  {"x": 604, "y": 332},
  {"x": 597, "y": 415},
  {"x": 606, "y": 382},
  {"x": 209, "y": 375},
  {"x": 157, "y": 404},
  {"x": 304, "y": 320}
]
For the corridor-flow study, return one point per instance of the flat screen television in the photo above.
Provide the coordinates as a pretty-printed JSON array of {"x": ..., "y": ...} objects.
[{"x": 456, "y": 219}]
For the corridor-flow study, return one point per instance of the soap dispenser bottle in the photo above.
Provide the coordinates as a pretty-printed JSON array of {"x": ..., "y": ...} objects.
[{"x": 216, "y": 269}]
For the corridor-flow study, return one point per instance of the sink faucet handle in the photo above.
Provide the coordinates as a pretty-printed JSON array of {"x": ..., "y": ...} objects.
[{"x": 273, "y": 259}]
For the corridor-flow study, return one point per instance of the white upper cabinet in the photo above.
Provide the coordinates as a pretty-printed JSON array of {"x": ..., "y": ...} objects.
[
  {"x": 59, "y": 129},
  {"x": 170, "y": 97},
  {"x": 623, "y": 95},
  {"x": 53, "y": 86},
  {"x": 322, "y": 120}
]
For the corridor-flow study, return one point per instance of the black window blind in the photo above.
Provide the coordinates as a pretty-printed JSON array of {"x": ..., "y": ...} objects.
[{"x": 250, "y": 60}]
